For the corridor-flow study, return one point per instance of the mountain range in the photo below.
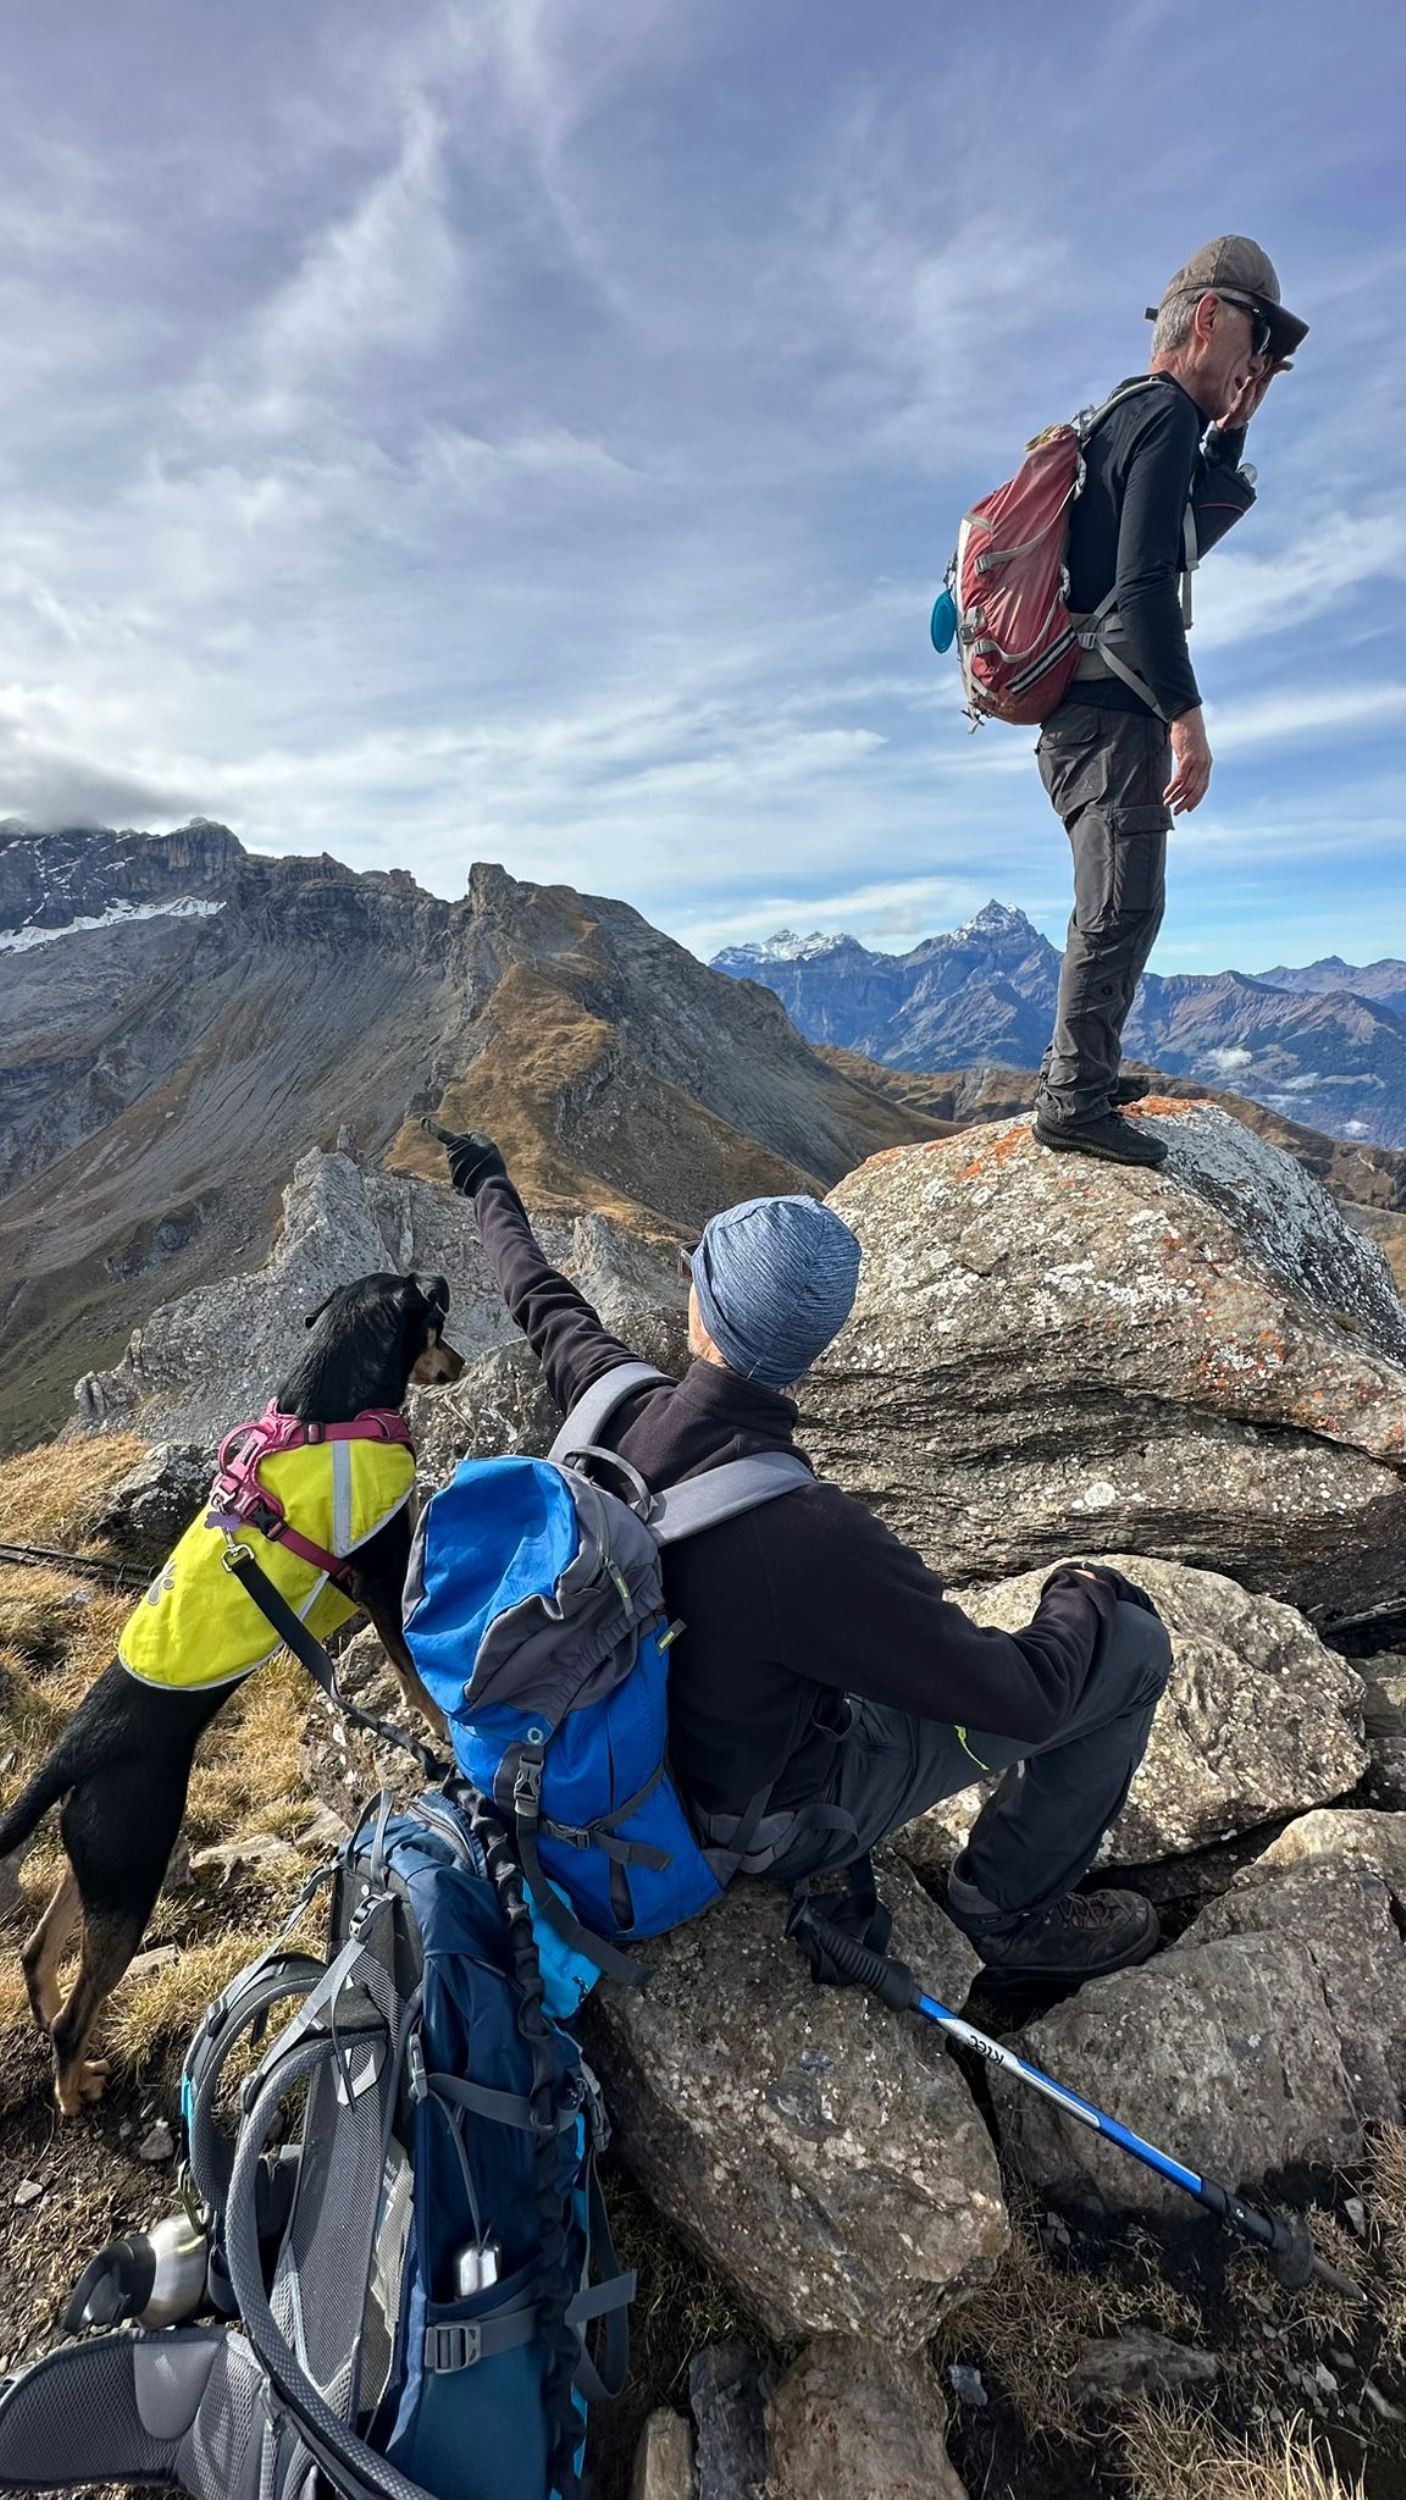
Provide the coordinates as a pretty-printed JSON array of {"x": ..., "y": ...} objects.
[
  {"x": 181, "y": 1020},
  {"x": 1324, "y": 1044}
]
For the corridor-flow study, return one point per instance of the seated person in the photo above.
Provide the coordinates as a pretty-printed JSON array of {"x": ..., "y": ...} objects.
[{"x": 821, "y": 1662}]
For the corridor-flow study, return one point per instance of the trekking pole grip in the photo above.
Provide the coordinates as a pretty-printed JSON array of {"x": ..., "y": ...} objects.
[{"x": 842, "y": 1959}]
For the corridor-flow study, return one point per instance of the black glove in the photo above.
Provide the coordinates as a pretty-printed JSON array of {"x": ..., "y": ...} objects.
[
  {"x": 472, "y": 1156},
  {"x": 1126, "y": 1590}
]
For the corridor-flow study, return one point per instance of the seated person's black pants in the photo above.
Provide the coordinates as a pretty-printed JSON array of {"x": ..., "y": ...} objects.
[{"x": 1042, "y": 1828}]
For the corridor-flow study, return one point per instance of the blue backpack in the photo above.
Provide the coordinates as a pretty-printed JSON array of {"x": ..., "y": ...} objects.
[
  {"x": 417, "y": 2264},
  {"x": 535, "y": 1615}
]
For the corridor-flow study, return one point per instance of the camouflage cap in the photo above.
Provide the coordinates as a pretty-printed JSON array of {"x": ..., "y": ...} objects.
[{"x": 1233, "y": 265}]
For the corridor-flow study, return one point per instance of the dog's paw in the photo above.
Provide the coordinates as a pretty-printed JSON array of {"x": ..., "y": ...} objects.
[{"x": 83, "y": 2087}]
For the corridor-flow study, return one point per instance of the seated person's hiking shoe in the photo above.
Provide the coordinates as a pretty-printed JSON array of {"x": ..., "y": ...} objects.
[
  {"x": 1082, "y": 1937},
  {"x": 1112, "y": 1138}
]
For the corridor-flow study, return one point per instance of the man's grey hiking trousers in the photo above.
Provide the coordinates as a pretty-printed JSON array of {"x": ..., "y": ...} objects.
[
  {"x": 1105, "y": 773},
  {"x": 1042, "y": 1828}
]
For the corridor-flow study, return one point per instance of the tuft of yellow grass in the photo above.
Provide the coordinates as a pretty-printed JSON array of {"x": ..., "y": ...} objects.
[
  {"x": 1170, "y": 2452},
  {"x": 149, "y": 2023},
  {"x": 50, "y": 1495},
  {"x": 1030, "y": 2321}
]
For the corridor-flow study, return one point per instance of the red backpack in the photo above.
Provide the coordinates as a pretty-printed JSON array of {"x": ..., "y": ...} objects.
[{"x": 1008, "y": 583}]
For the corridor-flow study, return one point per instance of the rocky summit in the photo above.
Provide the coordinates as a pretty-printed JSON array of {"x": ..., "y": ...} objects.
[
  {"x": 1325, "y": 1045},
  {"x": 1205, "y": 1363}
]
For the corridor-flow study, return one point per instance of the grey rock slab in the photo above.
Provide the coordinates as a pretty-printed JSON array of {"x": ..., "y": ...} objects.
[
  {"x": 500, "y": 1407},
  {"x": 1259, "y": 1719},
  {"x": 853, "y": 2421},
  {"x": 1340, "y": 1913},
  {"x": 147, "y": 1510},
  {"x": 1224, "y": 2054},
  {"x": 1205, "y": 1362},
  {"x": 1118, "y": 2367},
  {"x": 727, "y": 2390},
  {"x": 663, "y": 2466},
  {"x": 1274, "y": 2032},
  {"x": 158, "y": 2144},
  {"x": 825, "y": 2154}
]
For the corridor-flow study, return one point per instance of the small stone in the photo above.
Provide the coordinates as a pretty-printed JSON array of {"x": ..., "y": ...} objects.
[
  {"x": 663, "y": 2468},
  {"x": 1326, "y": 2382},
  {"x": 967, "y": 2384},
  {"x": 1356, "y": 2213},
  {"x": 158, "y": 2144},
  {"x": 29, "y": 2192},
  {"x": 158, "y": 1957},
  {"x": 1140, "y": 2364}
]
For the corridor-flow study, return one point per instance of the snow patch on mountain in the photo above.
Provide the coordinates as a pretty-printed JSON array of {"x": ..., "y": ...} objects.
[{"x": 180, "y": 907}]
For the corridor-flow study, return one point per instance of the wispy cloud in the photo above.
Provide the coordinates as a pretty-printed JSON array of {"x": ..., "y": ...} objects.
[{"x": 537, "y": 432}]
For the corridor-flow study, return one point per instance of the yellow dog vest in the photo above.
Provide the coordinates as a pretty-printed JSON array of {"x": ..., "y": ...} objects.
[{"x": 196, "y": 1626}]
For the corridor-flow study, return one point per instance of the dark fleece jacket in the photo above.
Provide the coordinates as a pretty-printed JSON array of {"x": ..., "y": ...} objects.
[{"x": 788, "y": 1609}]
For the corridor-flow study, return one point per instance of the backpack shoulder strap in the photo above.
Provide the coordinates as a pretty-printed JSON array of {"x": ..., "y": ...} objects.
[
  {"x": 725, "y": 1493},
  {"x": 1089, "y": 418},
  {"x": 592, "y": 1412}
]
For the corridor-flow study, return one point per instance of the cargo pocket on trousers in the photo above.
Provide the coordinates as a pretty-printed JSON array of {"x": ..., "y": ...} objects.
[
  {"x": 1119, "y": 873},
  {"x": 1072, "y": 754}
]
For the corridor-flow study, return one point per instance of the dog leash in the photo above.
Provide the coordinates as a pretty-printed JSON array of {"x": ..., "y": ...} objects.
[{"x": 310, "y": 1653}]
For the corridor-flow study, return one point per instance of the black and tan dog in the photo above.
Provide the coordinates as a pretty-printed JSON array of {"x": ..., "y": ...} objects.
[{"x": 123, "y": 1762}]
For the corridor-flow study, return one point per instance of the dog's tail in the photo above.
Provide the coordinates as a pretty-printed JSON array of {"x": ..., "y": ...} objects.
[
  {"x": 52, "y": 1781},
  {"x": 89, "y": 1740}
]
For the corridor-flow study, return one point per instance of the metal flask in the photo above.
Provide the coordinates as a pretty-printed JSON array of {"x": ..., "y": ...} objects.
[{"x": 150, "y": 2277}]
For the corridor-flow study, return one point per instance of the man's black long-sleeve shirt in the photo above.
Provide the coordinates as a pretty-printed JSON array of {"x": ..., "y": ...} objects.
[
  {"x": 1144, "y": 463},
  {"x": 792, "y": 1606}
]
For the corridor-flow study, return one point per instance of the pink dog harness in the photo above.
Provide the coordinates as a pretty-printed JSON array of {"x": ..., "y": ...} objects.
[{"x": 240, "y": 1500}]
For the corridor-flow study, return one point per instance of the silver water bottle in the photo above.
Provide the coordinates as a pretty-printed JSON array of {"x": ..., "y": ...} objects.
[{"x": 153, "y": 2277}]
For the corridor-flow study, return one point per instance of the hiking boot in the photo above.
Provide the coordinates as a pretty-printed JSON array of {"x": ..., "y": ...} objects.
[
  {"x": 1111, "y": 1138},
  {"x": 1083, "y": 1936},
  {"x": 1130, "y": 1089}
]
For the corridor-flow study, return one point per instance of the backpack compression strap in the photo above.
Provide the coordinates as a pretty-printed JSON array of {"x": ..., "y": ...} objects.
[{"x": 588, "y": 1418}]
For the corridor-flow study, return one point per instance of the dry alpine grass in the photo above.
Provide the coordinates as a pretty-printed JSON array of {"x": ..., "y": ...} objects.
[
  {"x": 1168, "y": 2452},
  {"x": 50, "y": 1495},
  {"x": 1030, "y": 2322}
]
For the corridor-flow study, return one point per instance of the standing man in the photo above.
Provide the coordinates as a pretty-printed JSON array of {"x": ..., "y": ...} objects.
[{"x": 1127, "y": 750}]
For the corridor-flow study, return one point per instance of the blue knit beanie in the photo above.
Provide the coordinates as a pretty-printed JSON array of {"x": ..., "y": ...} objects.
[{"x": 775, "y": 1280}]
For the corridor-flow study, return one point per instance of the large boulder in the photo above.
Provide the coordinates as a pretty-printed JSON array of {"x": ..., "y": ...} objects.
[
  {"x": 1258, "y": 1720},
  {"x": 1272, "y": 2034},
  {"x": 1204, "y": 1362},
  {"x": 827, "y": 2157}
]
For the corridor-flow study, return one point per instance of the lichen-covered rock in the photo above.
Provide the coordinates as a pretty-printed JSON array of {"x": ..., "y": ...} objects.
[
  {"x": 1258, "y": 1720},
  {"x": 1204, "y": 1362},
  {"x": 1273, "y": 2033},
  {"x": 853, "y": 2421},
  {"x": 826, "y": 2157}
]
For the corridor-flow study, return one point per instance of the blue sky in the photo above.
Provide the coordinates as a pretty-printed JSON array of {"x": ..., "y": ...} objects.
[{"x": 535, "y": 432}]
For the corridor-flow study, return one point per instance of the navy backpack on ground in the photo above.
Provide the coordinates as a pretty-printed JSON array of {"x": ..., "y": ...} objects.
[
  {"x": 406, "y": 2222},
  {"x": 535, "y": 1614}
]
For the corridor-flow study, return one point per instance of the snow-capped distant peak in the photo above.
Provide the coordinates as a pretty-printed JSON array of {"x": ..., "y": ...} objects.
[
  {"x": 786, "y": 947},
  {"x": 995, "y": 920},
  {"x": 180, "y": 907}
]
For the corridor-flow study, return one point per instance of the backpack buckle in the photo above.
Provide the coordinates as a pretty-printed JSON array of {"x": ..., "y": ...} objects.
[
  {"x": 527, "y": 1787},
  {"x": 455, "y": 2345}
]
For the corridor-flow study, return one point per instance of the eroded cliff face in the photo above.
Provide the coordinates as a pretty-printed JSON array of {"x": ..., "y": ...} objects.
[{"x": 180, "y": 1022}]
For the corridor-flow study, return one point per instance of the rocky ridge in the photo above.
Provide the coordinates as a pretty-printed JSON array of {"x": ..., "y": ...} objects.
[{"x": 181, "y": 1021}]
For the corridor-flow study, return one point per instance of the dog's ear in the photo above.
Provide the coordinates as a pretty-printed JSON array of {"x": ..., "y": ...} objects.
[
  {"x": 314, "y": 1316},
  {"x": 436, "y": 1293}
]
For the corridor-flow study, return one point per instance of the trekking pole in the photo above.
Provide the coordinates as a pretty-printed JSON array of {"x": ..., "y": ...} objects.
[{"x": 838, "y": 1959}]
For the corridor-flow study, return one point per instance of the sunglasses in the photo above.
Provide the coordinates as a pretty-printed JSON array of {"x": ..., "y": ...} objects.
[{"x": 1259, "y": 322}]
